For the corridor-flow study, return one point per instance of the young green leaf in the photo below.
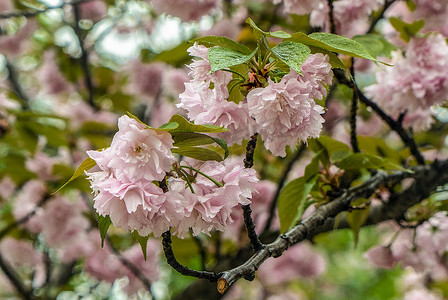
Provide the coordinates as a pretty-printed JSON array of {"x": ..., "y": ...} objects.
[
  {"x": 292, "y": 198},
  {"x": 142, "y": 240},
  {"x": 187, "y": 126},
  {"x": 103, "y": 225},
  {"x": 191, "y": 139},
  {"x": 222, "y": 58},
  {"x": 376, "y": 44},
  {"x": 406, "y": 30},
  {"x": 259, "y": 33},
  {"x": 357, "y": 218},
  {"x": 86, "y": 165},
  {"x": 221, "y": 41},
  {"x": 358, "y": 161},
  {"x": 198, "y": 153},
  {"x": 291, "y": 53},
  {"x": 334, "y": 43}
]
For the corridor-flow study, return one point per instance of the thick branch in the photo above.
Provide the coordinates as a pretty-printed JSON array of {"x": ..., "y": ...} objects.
[{"x": 436, "y": 174}]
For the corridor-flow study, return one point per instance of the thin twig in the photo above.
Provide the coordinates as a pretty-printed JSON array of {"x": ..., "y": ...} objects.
[
  {"x": 354, "y": 108},
  {"x": 250, "y": 149},
  {"x": 171, "y": 259},
  {"x": 386, "y": 5},
  {"x": 15, "y": 279},
  {"x": 17, "y": 88},
  {"x": 250, "y": 227},
  {"x": 133, "y": 268},
  {"x": 331, "y": 15},
  {"x": 24, "y": 219},
  {"x": 84, "y": 58},
  {"x": 396, "y": 126}
]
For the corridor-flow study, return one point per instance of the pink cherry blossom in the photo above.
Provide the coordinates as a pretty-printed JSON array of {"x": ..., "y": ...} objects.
[
  {"x": 62, "y": 221},
  {"x": 187, "y": 10},
  {"x": 316, "y": 70},
  {"x": 93, "y": 10},
  {"x": 300, "y": 261},
  {"x": 27, "y": 200},
  {"x": 300, "y": 7},
  {"x": 381, "y": 256},
  {"x": 7, "y": 187},
  {"x": 416, "y": 81},
  {"x": 124, "y": 187},
  {"x": 285, "y": 113},
  {"x": 210, "y": 206}
]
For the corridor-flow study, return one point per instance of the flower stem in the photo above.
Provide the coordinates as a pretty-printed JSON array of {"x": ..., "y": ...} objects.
[{"x": 205, "y": 175}]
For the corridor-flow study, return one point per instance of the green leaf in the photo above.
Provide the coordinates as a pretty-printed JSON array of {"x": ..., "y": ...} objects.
[
  {"x": 257, "y": 30},
  {"x": 377, "y": 146},
  {"x": 334, "y": 43},
  {"x": 376, "y": 44},
  {"x": 291, "y": 53},
  {"x": 221, "y": 58},
  {"x": 187, "y": 126},
  {"x": 357, "y": 218},
  {"x": 198, "y": 153},
  {"x": 169, "y": 126},
  {"x": 358, "y": 161},
  {"x": 292, "y": 199},
  {"x": 142, "y": 240},
  {"x": 190, "y": 139},
  {"x": 406, "y": 30},
  {"x": 336, "y": 150},
  {"x": 259, "y": 33},
  {"x": 221, "y": 41},
  {"x": 86, "y": 165},
  {"x": 103, "y": 225}
]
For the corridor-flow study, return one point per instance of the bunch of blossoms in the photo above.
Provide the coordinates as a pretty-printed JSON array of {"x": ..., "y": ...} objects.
[
  {"x": 139, "y": 161},
  {"x": 350, "y": 16},
  {"x": 416, "y": 81},
  {"x": 210, "y": 106},
  {"x": 282, "y": 113},
  {"x": 286, "y": 112}
]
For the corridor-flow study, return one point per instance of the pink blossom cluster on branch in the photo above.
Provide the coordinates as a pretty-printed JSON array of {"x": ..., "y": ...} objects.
[{"x": 127, "y": 187}]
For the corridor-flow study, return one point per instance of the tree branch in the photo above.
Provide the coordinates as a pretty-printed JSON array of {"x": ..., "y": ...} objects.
[
  {"x": 15, "y": 279},
  {"x": 354, "y": 108},
  {"x": 133, "y": 268},
  {"x": 386, "y": 5},
  {"x": 17, "y": 88},
  {"x": 84, "y": 58},
  {"x": 427, "y": 178},
  {"x": 171, "y": 259},
  {"x": 396, "y": 126}
]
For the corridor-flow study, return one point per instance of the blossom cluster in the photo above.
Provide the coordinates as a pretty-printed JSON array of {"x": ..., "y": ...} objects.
[
  {"x": 417, "y": 81},
  {"x": 128, "y": 185},
  {"x": 423, "y": 250},
  {"x": 282, "y": 113}
]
